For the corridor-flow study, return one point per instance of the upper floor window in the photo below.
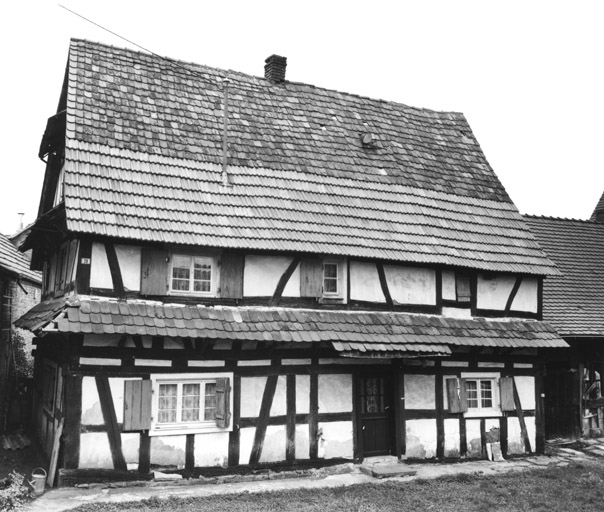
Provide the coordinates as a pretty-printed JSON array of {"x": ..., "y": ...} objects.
[
  {"x": 331, "y": 278},
  {"x": 463, "y": 288},
  {"x": 193, "y": 274}
]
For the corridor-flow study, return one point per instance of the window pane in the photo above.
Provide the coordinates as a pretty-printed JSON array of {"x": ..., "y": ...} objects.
[
  {"x": 330, "y": 270},
  {"x": 330, "y": 278},
  {"x": 210, "y": 402},
  {"x": 472, "y": 392},
  {"x": 190, "y": 402},
  {"x": 202, "y": 276},
  {"x": 486, "y": 394},
  {"x": 167, "y": 403},
  {"x": 181, "y": 273}
]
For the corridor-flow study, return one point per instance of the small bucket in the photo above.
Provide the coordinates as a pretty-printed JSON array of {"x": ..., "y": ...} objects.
[{"x": 38, "y": 482}]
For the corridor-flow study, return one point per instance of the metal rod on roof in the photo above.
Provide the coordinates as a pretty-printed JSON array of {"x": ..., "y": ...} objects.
[{"x": 225, "y": 133}]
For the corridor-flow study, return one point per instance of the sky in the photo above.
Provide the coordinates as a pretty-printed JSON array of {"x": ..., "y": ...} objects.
[{"x": 528, "y": 75}]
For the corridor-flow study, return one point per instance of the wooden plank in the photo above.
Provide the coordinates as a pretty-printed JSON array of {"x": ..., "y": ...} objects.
[
  {"x": 503, "y": 435},
  {"x": 513, "y": 293},
  {"x": 109, "y": 416},
  {"x": 290, "y": 447},
  {"x": 483, "y": 438},
  {"x": 439, "y": 403},
  {"x": 154, "y": 272},
  {"x": 539, "y": 412},
  {"x": 263, "y": 416},
  {"x": 520, "y": 414},
  {"x": 234, "y": 440},
  {"x": 144, "y": 453},
  {"x": 384, "y": 284},
  {"x": 506, "y": 394},
  {"x": 313, "y": 417},
  {"x": 72, "y": 425},
  {"x": 311, "y": 279},
  {"x": 463, "y": 439},
  {"x": 190, "y": 452},
  {"x": 54, "y": 457},
  {"x": 114, "y": 269},
  {"x": 399, "y": 413},
  {"x": 283, "y": 282},
  {"x": 231, "y": 275},
  {"x": 83, "y": 267},
  {"x": 157, "y": 343}
]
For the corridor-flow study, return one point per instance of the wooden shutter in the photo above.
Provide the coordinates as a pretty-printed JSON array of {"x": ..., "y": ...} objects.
[
  {"x": 311, "y": 278},
  {"x": 506, "y": 394},
  {"x": 154, "y": 272},
  {"x": 223, "y": 401},
  {"x": 231, "y": 276},
  {"x": 137, "y": 405},
  {"x": 456, "y": 395}
]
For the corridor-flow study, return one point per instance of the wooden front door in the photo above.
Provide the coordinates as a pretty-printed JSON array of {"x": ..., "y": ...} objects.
[
  {"x": 376, "y": 413},
  {"x": 562, "y": 402}
]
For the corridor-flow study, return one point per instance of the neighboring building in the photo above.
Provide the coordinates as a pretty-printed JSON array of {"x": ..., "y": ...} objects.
[
  {"x": 573, "y": 302},
  {"x": 20, "y": 290},
  {"x": 348, "y": 279}
]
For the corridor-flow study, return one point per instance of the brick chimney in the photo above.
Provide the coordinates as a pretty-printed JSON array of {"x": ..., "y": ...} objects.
[{"x": 274, "y": 68}]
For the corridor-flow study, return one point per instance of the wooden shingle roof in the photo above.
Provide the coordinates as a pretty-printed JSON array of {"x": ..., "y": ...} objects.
[
  {"x": 15, "y": 263},
  {"x": 349, "y": 332},
  {"x": 573, "y": 302},
  {"x": 144, "y": 147}
]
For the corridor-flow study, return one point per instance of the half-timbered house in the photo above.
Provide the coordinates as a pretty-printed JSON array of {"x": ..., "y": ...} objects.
[{"x": 242, "y": 270}]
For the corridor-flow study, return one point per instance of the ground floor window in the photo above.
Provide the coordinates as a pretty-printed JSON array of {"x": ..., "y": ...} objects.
[{"x": 187, "y": 403}]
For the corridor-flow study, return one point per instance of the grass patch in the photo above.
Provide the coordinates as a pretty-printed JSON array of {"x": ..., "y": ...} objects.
[{"x": 575, "y": 487}]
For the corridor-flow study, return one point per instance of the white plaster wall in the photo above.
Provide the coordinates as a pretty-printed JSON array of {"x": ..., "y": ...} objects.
[
  {"x": 169, "y": 450},
  {"x": 335, "y": 393},
  {"x": 527, "y": 298},
  {"x": 246, "y": 442},
  {"x": 419, "y": 392},
  {"x": 129, "y": 258},
  {"x": 279, "y": 406},
  {"x": 302, "y": 394},
  {"x": 262, "y": 273},
  {"x": 457, "y": 312},
  {"x": 302, "y": 442},
  {"x": 95, "y": 451},
  {"x": 515, "y": 442},
  {"x": 336, "y": 440},
  {"x": 252, "y": 389},
  {"x": 448, "y": 285},
  {"x": 365, "y": 282},
  {"x": 409, "y": 285},
  {"x": 526, "y": 392},
  {"x": 421, "y": 439},
  {"x": 473, "y": 439},
  {"x": 212, "y": 449},
  {"x": 494, "y": 292},
  {"x": 273, "y": 449},
  {"x": 451, "y": 438}
]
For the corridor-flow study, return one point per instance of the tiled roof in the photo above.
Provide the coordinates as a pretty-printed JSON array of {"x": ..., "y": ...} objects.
[
  {"x": 15, "y": 262},
  {"x": 573, "y": 302},
  {"x": 144, "y": 147},
  {"x": 349, "y": 332}
]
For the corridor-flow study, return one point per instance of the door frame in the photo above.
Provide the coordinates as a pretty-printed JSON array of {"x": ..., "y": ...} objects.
[{"x": 392, "y": 381}]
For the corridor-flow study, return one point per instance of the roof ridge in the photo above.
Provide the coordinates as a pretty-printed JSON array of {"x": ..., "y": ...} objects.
[
  {"x": 183, "y": 63},
  {"x": 567, "y": 219}
]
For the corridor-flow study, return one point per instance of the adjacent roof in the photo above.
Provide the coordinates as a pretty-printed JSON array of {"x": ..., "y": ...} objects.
[
  {"x": 144, "y": 148},
  {"x": 573, "y": 302},
  {"x": 12, "y": 261},
  {"x": 384, "y": 334}
]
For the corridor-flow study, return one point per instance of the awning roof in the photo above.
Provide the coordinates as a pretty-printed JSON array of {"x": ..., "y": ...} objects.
[{"x": 352, "y": 333}]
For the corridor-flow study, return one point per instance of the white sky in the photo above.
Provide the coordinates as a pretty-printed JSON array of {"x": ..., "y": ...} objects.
[{"x": 528, "y": 75}]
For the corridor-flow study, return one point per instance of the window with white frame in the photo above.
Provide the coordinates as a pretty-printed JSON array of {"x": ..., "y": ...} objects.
[
  {"x": 332, "y": 279},
  {"x": 184, "y": 403},
  {"x": 193, "y": 274},
  {"x": 482, "y": 394}
]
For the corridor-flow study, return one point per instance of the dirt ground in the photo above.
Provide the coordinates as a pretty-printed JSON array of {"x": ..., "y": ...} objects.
[{"x": 23, "y": 461}]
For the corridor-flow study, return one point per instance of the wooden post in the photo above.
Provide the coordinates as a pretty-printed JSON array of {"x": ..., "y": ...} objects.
[
  {"x": 290, "y": 447},
  {"x": 539, "y": 412},
  {"x": 399, "y": 412},
  {"x": 234, "y": 434},
  {"x": 72, "y": 406},
  {"x": 144, "y": 453},
  {"x": 113, "y": 431},
  {"x": 440, "y": 413},
  {"x": 263, "y": 417},
  {"x": 313, "y": 417},
  {"x": 190, "y": 452}
]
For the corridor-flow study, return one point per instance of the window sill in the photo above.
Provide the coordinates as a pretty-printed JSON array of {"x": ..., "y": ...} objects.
[
  {"x": 484, "y": 413},
  {"x": 192, "y": 429}
]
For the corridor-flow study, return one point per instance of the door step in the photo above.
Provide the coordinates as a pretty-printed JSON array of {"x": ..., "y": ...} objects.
[{"x": 385, "y": 467}]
